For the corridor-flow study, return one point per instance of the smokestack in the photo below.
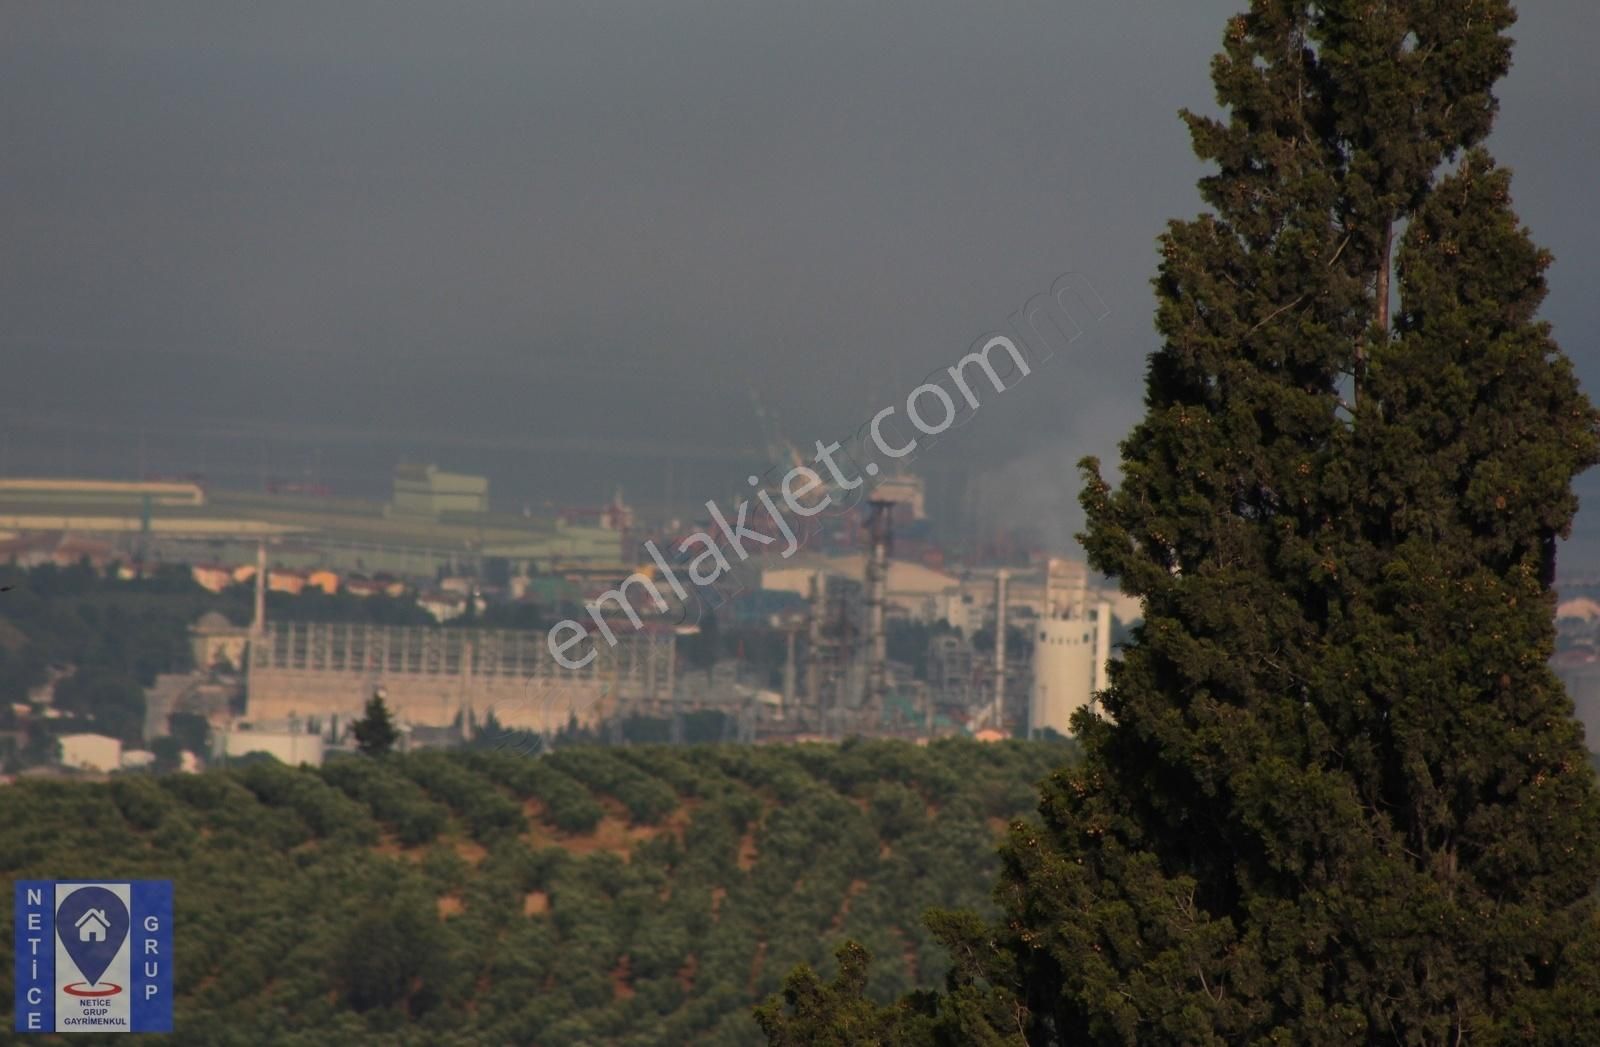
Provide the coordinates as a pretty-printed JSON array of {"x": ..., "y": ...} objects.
[
  {"x": 814, "y": 647},
  {"x": 1000, "y": 578},
  {"x": 790, "y": 628},
  {"x": 877, "y": 584}
]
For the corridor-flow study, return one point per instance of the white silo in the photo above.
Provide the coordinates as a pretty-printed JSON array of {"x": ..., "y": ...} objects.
[{"x": 1070, "y": 649}]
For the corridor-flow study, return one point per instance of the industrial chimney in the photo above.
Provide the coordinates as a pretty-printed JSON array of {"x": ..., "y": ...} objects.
[
  {"x": 877, "y": 585},
  {"x": 819, "y": 608}
]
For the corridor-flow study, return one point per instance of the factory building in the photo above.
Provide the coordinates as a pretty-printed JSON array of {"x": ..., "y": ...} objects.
[
  {"x": 437, "y": 677},
  {"x": 430, "y": 492},
  {"x": 1072, "y": 645}
]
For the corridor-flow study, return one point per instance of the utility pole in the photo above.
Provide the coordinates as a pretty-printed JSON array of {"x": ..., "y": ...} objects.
[
  {"x": 1001, "y": 577},
  {"x": 789, "y": 630}
]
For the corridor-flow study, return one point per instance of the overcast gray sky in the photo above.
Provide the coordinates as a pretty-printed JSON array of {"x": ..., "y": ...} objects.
[{"x": 563, "y": 243}]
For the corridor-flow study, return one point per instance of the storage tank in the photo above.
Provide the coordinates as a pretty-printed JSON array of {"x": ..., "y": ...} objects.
[{"x": 1070, "y": 649}]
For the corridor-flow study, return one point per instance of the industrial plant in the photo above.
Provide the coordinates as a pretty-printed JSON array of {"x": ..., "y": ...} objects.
[{"x": 873, "y": 628}]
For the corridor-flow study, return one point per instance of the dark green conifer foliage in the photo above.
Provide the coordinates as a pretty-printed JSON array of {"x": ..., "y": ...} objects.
[
  {"x": 1338, "y": 796},
  {"x": 811, "y": 1013},
  {"x": 375, "y": 732}
]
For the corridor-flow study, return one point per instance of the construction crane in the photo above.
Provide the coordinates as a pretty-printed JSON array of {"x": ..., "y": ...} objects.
[{"x": 780, "y": 451}]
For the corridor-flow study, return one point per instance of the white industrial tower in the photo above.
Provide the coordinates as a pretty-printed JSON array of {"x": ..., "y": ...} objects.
[{"x": 1070, "y": 649}]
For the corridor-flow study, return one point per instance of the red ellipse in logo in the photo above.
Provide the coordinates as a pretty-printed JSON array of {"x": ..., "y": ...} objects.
[{"x": 112, "y": 991}]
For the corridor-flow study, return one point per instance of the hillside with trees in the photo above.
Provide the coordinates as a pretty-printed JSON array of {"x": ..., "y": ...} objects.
[{"x": 631, "y": 896}]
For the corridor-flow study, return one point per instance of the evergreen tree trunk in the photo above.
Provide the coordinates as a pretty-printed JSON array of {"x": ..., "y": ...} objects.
[{"x": 1339, "y": 796}]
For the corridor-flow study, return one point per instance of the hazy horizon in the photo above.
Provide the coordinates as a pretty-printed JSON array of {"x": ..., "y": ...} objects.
[{"x": 305, "y": 242}]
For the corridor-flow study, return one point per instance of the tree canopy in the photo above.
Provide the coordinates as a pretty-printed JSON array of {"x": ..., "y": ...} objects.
[{"x": 631, "y": 896}]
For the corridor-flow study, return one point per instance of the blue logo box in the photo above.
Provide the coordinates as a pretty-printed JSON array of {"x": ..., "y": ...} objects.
[{"x": 93, "y": 956}]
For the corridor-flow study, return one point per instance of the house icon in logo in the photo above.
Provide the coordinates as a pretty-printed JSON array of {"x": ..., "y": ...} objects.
[{"x": 92, "y": 926}]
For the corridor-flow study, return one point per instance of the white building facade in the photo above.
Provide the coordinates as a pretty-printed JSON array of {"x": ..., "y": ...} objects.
[
  {"x": 90, "y": 752},
  {"x": 292, "y": 747}
]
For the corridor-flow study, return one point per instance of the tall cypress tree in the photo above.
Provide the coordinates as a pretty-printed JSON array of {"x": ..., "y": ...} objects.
[
  {"x": 1337, "y": 796},
  {"x": 375, "y": 732}
]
